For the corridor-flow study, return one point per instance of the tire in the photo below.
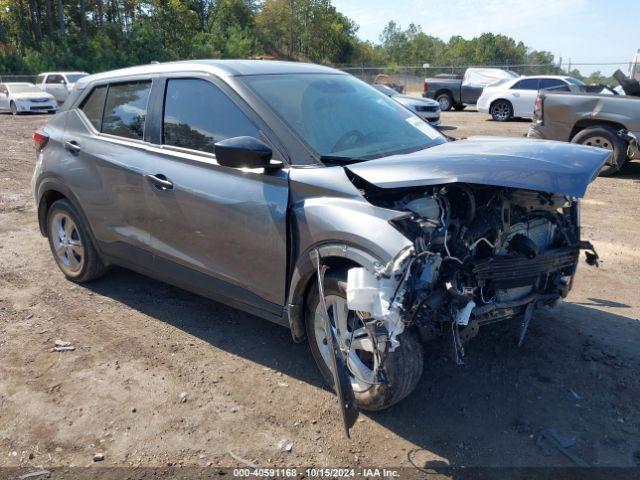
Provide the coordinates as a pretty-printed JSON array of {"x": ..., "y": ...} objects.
[
  {"x": 71, "y": 244},
  {"x": 501, "y": 110},
  {"x": 459, "y": 107},
  {"x": 445, "y": 100},
  {"x": 605, "y": 137},
  {"x": 14, "y": 108},
  {"x": 403, "y": 367}
]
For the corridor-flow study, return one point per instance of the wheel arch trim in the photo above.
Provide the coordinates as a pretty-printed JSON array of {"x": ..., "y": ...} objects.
[{"x": 302, "y": 278}]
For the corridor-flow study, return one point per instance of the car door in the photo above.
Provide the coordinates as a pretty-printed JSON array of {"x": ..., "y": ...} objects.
[
  {"x": 216, "y": 230},
  {"x": 107, "y": 158},
  {"x": 4, "y": 98},
  {"x": 56, "y": 85},
  {"x": 523, "y": 96}
]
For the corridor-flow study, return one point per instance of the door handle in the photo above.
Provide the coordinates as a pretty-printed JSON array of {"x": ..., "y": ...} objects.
[
  {"x": 160, "y": 181},
  {"x": 72, "y": 146}
]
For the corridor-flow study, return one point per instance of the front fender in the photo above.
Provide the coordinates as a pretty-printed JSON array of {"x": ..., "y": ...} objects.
[{"x": 347, "y": 229}]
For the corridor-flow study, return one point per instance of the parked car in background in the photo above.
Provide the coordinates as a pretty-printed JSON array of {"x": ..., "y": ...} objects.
[
  {"x": 426, "y": 108},
  {"x": 591, "y": 119},
  {"x": 457, "y": 93},
  {"x": 59, "y": 84},
  {"x": 25, "y": 97},
  {"x": 312, "y": 200},
  {"x": 391, "y": 81},
  {"x": 516, "y": 97}
]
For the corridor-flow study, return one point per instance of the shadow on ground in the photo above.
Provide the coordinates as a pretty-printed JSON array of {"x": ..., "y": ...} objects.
[{"x": 569, "y": 375}]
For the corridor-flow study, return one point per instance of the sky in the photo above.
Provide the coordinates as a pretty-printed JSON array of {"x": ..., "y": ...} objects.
[{"x": 585, "y": 31}]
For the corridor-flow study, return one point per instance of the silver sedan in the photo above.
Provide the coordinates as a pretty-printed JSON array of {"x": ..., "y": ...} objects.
[{"x": 426, "y": 108}]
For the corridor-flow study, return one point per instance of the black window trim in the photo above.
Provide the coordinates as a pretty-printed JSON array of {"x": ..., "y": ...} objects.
[
  {"x": 153, "y": 78},
  {"x": 263, "y": 131},
  {"x": 514, "y": 87}
]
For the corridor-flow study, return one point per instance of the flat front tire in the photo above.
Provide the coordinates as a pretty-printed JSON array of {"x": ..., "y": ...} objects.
[
  {"x": 403, "y": 366},
  {"x": 71, "y": 245}
]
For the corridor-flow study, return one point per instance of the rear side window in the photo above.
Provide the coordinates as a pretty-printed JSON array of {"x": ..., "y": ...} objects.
[
  {"x": 126, "y": 109},
  {"x": 92, "y": 106},
  {"x": 527, "y": 84},
  {"x": 197, "y": 114},
  {"x": 57, "y": 79},
  {"x": 554, "y": 83}
]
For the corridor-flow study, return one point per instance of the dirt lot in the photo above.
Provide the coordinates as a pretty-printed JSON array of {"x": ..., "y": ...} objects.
[{"x": 140, "y": 343}]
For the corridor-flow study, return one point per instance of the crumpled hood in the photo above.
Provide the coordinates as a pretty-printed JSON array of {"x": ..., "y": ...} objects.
[{"x": 554, "y": 167}]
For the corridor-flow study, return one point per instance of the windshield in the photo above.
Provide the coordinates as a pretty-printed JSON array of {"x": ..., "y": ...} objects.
[
  {"x": 341, "y": 117},
  {"x": 384, "y": 89},
  {"x": 575, "y": 81},
  {"x": 24, "y": 89},
  {"x": 74, "y": 77}
]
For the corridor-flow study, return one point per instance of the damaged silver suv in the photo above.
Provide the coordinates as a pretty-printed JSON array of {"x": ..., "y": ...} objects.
[{"x": 302, "y": 195}]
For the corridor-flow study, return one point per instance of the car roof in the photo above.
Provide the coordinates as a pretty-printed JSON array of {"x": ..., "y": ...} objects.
[
  {"x": 28, "y": 84},
  {"x": 63, "y": 73},
  {"x": 226, "y": 68},
  {"x": 541, "y": 77}
]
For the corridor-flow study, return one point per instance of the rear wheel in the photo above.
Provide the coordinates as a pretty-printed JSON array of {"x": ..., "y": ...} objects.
[
  {"x": 445, "y": 100},
  {"x": 403, "y": 367},
  {"x": 607, "y": 138},
  {"x": 71, "y": 244},
  {"x": 501, "y": 110}
]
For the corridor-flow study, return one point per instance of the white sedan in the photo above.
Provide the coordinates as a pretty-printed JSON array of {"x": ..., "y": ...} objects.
[
  {"x": 25, "y": 97},
  {"x": 516, "y": 98}
]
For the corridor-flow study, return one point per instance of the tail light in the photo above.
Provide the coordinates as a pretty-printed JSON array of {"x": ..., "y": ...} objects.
[
  {"x": 40, "y": 139},
  {"x": 425, "y": 86},
  {"x": 538, "y": 108}
]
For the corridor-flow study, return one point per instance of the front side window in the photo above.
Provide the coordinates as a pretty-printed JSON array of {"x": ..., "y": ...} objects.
[
  {"x": 197, "y": 114},
  {"x": 125, "y": 109},
  {"x": 93, "y": 105},
  {"x": 527, "y": 84},
  {"x": 341, "y": 117}
]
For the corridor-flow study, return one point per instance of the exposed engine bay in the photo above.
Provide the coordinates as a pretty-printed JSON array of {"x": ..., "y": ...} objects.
[{"x": 480, "y": 254}]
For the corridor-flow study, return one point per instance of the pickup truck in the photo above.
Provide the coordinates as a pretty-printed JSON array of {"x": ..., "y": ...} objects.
[
  {"x": 591, "y": 119},
  {"x": 457, "y": 93}
]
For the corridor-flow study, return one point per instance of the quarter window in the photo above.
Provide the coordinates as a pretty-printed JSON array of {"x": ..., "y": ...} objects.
[
  {"x": 92, "y": 106},
  {"x": 527, "y": 84},
  {"x": 126, "y": 109},
  {"x": 197, "y": 114}
]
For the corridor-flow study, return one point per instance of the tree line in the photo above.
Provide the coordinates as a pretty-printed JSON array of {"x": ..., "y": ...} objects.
[{"x": 98, "y": 35}]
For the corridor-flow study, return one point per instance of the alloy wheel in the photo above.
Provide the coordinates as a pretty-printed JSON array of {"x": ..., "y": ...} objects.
[
  {"x": 501, "y": 111},
  {"x": 353, "y": 341},
  {"x": 67, "y": 243}
]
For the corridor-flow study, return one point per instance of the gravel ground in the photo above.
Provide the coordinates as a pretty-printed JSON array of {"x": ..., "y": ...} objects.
[{"x": 250, "y": 390}]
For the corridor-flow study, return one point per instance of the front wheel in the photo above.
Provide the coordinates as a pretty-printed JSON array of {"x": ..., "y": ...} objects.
[
  {"x": 403, "y": 367},
  {"x": 14, "y": 108},
  {"x": 608, "y": 139}
]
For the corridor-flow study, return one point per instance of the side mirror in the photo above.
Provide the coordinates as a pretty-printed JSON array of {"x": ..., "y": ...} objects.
[{"x": 244, "y": 152}]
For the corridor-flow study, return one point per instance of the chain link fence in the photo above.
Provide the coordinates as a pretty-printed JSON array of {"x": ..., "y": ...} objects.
[
  {"x": 410, "y": 79},
  {"x": 17, "y": 78}
]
